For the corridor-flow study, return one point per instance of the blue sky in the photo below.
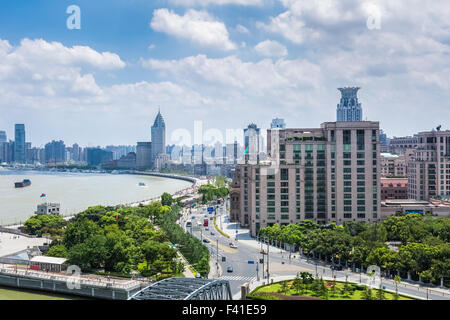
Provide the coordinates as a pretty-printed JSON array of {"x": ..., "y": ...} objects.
[{"x": 225, "y": 62}]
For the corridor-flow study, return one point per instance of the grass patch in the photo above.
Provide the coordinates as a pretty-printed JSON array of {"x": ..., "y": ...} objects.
[
  {"x": 356, "y": 292},
  {"x": 192, "y": 270},
  {"x": 218, "y": 230}
]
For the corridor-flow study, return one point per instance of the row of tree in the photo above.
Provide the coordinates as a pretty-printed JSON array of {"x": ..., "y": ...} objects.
[
  {"x": 423, "y": 251},
  {"x": 211, "y": 192},
  {"x": 123, "y": 239}
]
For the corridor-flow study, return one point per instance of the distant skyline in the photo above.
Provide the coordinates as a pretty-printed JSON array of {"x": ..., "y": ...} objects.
[{"x": 227, "y": 63}]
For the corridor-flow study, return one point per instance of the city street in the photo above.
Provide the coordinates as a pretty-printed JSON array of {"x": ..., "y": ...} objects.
[{"x": 281, "y": 262}]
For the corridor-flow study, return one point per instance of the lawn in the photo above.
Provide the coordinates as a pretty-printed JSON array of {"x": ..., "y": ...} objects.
[{"x": 356, "y": 292}]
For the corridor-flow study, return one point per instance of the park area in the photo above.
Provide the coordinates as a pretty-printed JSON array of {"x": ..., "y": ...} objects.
[{"x": 305, "y": 287}]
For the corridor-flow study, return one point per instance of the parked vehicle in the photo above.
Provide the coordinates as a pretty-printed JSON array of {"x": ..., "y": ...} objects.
[
  {"x": 205, "y": 240},
  {"x": 336, "y": 267},
  {"x": 229, "y": 269}
]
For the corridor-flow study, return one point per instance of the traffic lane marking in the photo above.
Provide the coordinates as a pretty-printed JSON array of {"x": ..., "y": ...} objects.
[{"x": 221, "y": 246}]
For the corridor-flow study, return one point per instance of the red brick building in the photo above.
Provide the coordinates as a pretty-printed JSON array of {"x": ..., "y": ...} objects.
[{"x": 394, "y": 188}]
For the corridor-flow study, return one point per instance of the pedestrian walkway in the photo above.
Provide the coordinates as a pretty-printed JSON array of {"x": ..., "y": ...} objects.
[{"x": 237, "y": 278}]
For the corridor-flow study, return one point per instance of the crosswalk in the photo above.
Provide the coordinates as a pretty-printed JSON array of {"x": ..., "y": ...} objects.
[{"x": 237, "y": 278}]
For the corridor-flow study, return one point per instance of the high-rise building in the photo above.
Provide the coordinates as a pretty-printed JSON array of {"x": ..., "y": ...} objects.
[
  {"x": 278, "y": 123},
  {"x": 3, "y": 136},
  {"x": 144, "y": 155},
  {"x": 158, "y": 132},
  {"x": 3, "y": 147},
  {"x": 393, "y": 165},
  {"x": 97, "y": 156},
  {"x": 327, "y": 174},
  {"x": 349, "y": 109},
  {"x": 19, "y": 144},
  {"x": 400, "y": 145},
  {"x": 252, "y": 143},
  {"x": 384, "y": 141},
  {"x": 75, "y": 152},
  {"x": 55, "y": 152},
  {"x": 429, "y": 168}
]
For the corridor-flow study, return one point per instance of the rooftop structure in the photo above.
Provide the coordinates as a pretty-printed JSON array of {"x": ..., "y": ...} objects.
[{"x": 349, "y": 109}]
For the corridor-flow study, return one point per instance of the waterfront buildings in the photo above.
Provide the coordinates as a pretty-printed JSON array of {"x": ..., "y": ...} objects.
[
  {"x": 349, "y": 109},
  {"x": 19, "y": 144},
  {"x": 97, "y": 156},
  {"x": 144, "y": 155},
  {"x": 3, "y": 147},
  {"x": 55, "y": 152},
  {"x": 158, "y": 132},
  {"x": 327, "y": 174},
  {"x": 48, "y": 208},
  {"x": 429, "y": 169},
  {"x": 3, "y": 136}
]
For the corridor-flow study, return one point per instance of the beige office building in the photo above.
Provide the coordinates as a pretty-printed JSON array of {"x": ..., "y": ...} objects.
[
  {"x": 327, "y": 174},
  {"x": 429, "y": 170}
]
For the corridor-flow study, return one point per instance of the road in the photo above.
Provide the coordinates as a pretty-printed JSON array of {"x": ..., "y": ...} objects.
[{"x": 281, "y": 263}]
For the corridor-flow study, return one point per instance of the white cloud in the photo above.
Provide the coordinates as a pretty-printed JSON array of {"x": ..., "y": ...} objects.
[
  {"x": 190, "y": 3},
  {"x": 270, "y": 48},
  {"x": 197, "y": 26},
  {"x": 54, "y": 53},
  {"x": 241, "y": 29}
]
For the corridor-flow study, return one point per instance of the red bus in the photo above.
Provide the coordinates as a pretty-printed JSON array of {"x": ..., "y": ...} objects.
[{"x": 205, "y": 222}]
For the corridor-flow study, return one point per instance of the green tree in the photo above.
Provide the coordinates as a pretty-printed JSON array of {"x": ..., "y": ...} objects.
[
  {"x": 380, "y": 294},
  {"x": 397, "y": 281},
  {"x": 78, "y": 231},
  {"x": 367, "y": 294},
  {"x": 167, "y": 199},
  {"x": 284, "y": 287},
  {"x": 57, "y": 251}
]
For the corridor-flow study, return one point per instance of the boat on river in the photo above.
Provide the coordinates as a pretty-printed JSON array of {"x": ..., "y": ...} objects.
[{"x": 24, "y": 183}]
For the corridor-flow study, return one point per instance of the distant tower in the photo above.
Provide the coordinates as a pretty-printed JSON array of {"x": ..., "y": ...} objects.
[
  {"x": 19, "y": 143},
  {"x": 158, "y": 137},
  {"x": 349, "y": 109},
  {"x": 252, "y": 142},
  {"x": 278, "y": 123}
]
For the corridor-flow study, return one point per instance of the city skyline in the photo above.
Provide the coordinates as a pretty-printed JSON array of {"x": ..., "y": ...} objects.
[{"x": 118, "y": 72}]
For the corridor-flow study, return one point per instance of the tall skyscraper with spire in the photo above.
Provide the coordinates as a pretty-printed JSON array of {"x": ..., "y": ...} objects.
[
  {"x": 349, "y": 109},
  {"x": 158, "y": 137}
]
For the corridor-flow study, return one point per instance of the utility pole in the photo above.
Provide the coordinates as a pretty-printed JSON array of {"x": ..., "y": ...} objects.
[
  {"x": 201, "y": 234},
  {"x": 257, "y": 271},
  {"x": 263, "y": 264},
  {"x": 268, "y": 274}
]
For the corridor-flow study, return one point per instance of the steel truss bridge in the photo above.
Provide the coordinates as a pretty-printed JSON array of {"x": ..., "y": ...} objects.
[{"x": 185, "y": 289}]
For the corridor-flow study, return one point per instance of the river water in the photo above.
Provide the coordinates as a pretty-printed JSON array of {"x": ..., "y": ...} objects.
[{"x": 76, "y": 191}]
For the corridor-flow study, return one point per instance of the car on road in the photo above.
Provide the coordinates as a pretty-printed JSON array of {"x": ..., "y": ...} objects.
[
  {"x": 336, "y": 267},
  {"x": 233, "y": 245},
  {"x": 205, "y": 240},
  {"x": 206, "y": 229},
  {"x": 212, "y": 233},
  {"x": 229, "y": 269}
]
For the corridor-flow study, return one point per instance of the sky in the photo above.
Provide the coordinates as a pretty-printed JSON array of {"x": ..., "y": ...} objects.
[{"x": 226, "y": 63}]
